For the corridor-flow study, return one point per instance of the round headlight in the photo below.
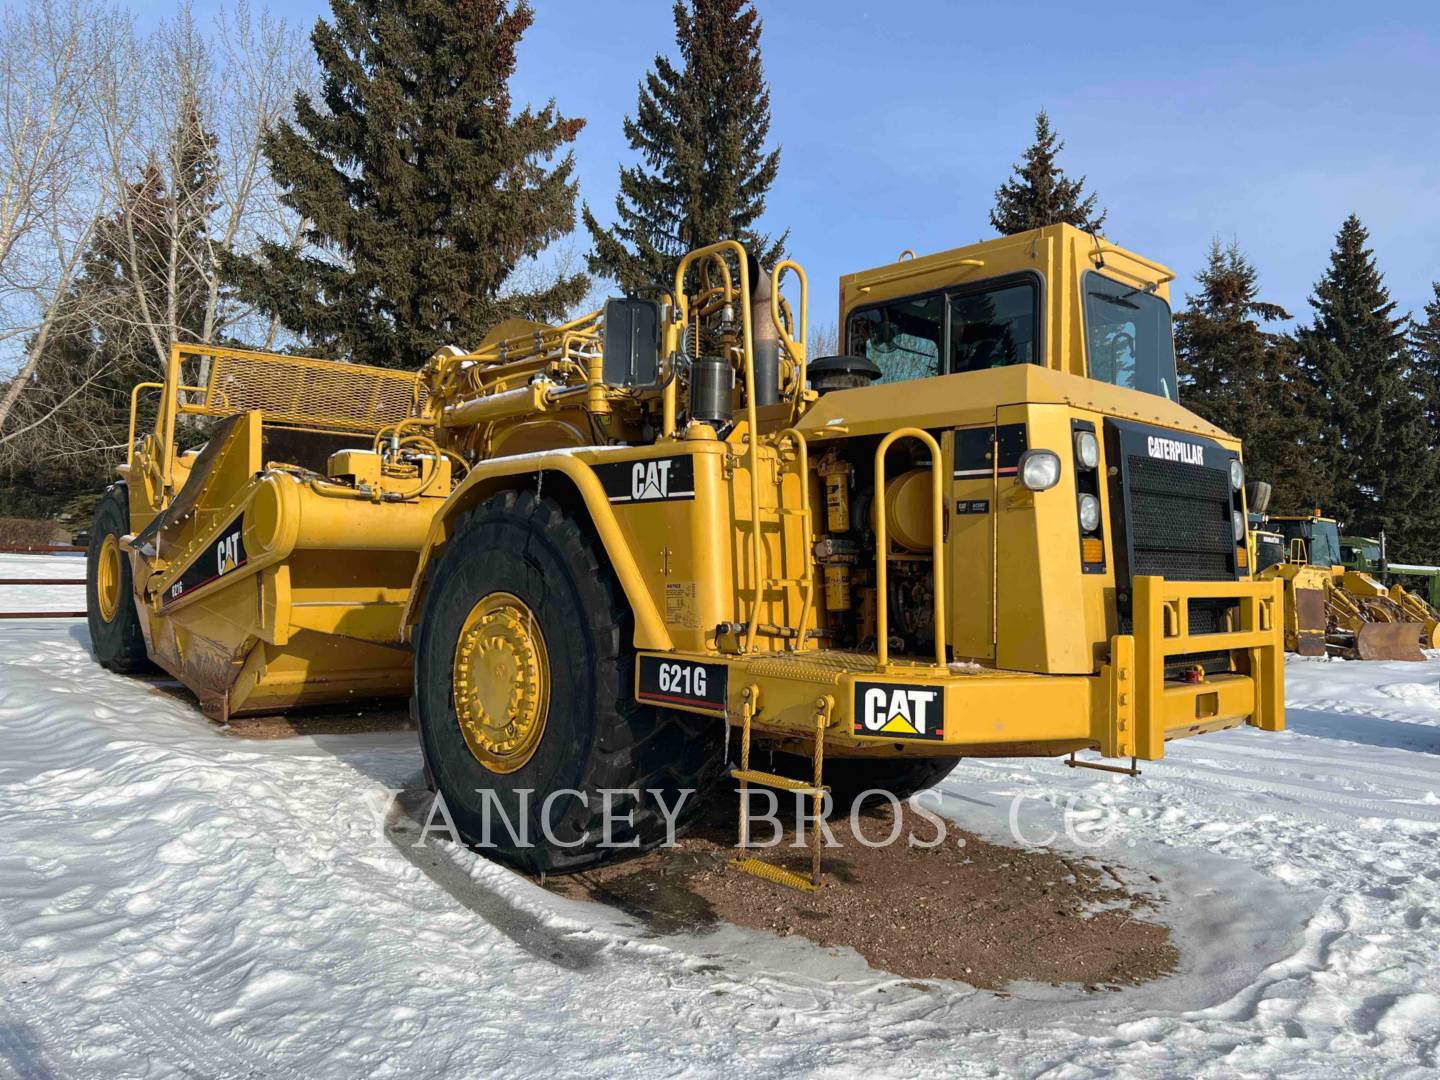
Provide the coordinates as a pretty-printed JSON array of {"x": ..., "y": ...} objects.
[
  {"x": 1087, "y": 449},
  {"x": 1237, "y": 522},
  {"x": 1089, "y": 512},
  {"x": 1237, "y": 474},
  {"x": 1039, "y": 469}
]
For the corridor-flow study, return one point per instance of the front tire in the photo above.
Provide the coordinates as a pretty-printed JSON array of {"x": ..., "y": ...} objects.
[
  {"x": 524, "y": 693},
  {"x": 115, "y": 635}
]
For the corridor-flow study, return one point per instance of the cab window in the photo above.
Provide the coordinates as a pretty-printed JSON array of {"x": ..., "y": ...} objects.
[
  {"x": 993, "y": 328},
  {"x": 904, "y": 338},
  {"x": 945, "y": 333},
  {"x": 1128, "y": 335}
]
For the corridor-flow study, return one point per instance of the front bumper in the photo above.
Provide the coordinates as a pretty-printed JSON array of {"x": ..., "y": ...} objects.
[{"x": 1128, "y": 709}]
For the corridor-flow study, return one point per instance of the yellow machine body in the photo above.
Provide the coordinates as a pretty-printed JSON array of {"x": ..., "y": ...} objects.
[{"x": 867, "y": 555}]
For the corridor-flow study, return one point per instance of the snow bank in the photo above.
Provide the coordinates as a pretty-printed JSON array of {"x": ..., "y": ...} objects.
[{"x": 177, "y": 902}]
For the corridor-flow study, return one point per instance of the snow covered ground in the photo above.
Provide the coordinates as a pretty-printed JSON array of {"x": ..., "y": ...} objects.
[{"x": 174, "y": 902}]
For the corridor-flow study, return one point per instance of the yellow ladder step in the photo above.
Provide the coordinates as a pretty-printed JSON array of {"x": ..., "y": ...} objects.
[
  {"x": 755, "y": 776},
  {"x": 770, "y": 872}
]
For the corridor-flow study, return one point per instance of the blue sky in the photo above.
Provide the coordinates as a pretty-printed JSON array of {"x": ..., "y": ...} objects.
[{"x": 1262, "y": 122}]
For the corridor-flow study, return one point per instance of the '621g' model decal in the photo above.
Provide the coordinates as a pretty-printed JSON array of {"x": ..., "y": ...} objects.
[
  {"x": 224, "y": 554},
  {"x": 682, "y": 684}
]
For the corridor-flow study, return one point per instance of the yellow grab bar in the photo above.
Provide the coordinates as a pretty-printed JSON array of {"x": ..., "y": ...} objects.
[
  {"x": 134, "y": 405},
  {"x": 882, "y": 543},
  {"x": 803, "y": 455},
  {"x": 796, "y": 349}
]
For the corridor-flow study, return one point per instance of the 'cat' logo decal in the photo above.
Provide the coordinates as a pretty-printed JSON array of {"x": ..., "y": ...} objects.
[
  {"x": 649, "y": 480},
  {"x": 223, "y": 555},
  {"x": 899, "y": 711}
]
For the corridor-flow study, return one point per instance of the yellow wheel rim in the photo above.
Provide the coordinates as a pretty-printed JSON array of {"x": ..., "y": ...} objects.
[
  {"x": 502, "y": 682},
  {"x": 107, "y": 578}
]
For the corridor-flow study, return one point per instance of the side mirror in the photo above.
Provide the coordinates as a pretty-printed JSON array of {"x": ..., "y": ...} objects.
[
  {"x": 1257, "y": 496},
  {"x": 632, "y": 342}
]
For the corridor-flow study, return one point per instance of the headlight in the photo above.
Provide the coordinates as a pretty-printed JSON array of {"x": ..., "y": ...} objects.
[
  {"x": 1237, "y": 474},
  {"x": 1039, "y": 469},
  {"x": 1237, "y": 522},
  {"x": 1089, "y": 512},
  {"x": 1087, "y": 449}
]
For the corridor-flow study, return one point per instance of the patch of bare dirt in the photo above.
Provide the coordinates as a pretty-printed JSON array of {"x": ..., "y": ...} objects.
[{"x": 968, "y": 910}]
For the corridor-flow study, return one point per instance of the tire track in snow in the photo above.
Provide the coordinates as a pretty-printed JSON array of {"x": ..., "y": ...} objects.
[{"x": 194, "y": 1048}]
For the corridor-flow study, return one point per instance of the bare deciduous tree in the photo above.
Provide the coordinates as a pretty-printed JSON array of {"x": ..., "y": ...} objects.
[
  {"x": 54, "y": 54},
  {"x": 166, "y": 130}
]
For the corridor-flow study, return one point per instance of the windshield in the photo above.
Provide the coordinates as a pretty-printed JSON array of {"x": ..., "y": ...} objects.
[
  {"x": 1127, "y": 332},
  {"x": 1322, "y": 539}
]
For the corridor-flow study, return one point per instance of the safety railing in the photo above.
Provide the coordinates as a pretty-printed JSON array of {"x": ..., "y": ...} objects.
[
  {"x": 806, "y": 581},
  {"x": 711, "y": 298},
  {"x": 882, "y": 544},
  {"x": 752, "y": 440},
  {"x": 795, "y": 346}
]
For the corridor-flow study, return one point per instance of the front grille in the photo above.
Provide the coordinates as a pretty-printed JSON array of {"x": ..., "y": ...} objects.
[
  {"x": 1179, "y": 521},
  {"x": 1212, "y": 663}
]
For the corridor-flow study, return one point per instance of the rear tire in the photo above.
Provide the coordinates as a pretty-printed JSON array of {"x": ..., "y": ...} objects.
[
  {"x": 595, "y": 736},
  {"x": 115, "y": 635}
]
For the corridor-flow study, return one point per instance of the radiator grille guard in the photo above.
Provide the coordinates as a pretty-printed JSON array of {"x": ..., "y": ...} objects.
[{"x": 1171, "y": 504}]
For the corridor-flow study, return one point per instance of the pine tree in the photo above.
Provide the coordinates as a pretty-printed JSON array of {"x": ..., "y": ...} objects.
[
  {"x": 1369, "y": 408},
  {"x": 421, "y": 190},
  {"x": 701, "y": 131},
  {"x": 1244, "y": 379},
  {"x": 1425, "y": 350},
  {"x": 1040, "y": 194}
]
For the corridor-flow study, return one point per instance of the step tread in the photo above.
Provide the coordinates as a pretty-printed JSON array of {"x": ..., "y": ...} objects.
[
  {"x": 770, "y": 872},
  {"x": 775, "y": 780}
]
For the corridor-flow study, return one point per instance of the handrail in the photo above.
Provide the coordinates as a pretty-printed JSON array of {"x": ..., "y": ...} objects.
[
  {"x": 1102, "y": 248},
  {"x": 937, "y": 541},
  {"x": 803, "y": 453},
  {"x": 912, "y": 270},
  {"x": 134, "y": 405},
  {"x": 682, "y": 315},
  {"x": 797, "y": 350}
]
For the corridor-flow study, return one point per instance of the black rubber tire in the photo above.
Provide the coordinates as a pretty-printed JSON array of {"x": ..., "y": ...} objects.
[
  {"x": 120, "y": 643},
  {"x": 848, "y": 778},
  {"x": 596, "y": 735}
]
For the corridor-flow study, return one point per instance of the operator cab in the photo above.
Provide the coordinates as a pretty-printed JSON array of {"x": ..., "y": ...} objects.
[
  {"x": 1014, "y": 295},
  {"x": 1314, "y": 540}
]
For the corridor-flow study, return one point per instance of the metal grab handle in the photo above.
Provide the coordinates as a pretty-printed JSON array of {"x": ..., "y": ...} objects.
[
  {"x": 803, "y": 458},
  {"x": 796, "y": 349},
  {"x": 882, "y": 543}
]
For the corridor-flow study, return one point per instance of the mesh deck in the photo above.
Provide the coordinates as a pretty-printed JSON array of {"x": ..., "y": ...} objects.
[{"x": 311, "y": 393}]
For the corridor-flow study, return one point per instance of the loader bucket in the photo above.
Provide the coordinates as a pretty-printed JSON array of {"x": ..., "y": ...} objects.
[{"x": 1388, "y": 641}]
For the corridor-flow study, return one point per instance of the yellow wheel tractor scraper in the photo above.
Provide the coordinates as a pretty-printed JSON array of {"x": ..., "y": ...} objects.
[
  {"x": 1330, "y": 609},
  {"x": 588, "y": 551}
]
